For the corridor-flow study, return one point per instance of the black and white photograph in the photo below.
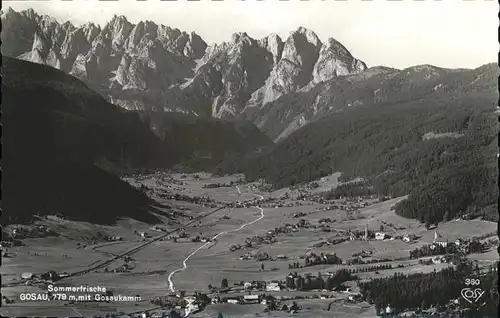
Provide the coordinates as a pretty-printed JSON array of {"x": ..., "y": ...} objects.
[{"x": 243, "y": 159}]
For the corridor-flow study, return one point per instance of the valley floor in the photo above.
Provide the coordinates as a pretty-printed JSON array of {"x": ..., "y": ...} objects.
[{"x": 82, "y": 246}]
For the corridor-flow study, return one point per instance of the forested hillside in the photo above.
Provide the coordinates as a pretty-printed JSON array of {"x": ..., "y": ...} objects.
[
  {"x": 60, "y": 136},
  {"x": 204, "y": 141},
  {"x": 440, "y": 149}
]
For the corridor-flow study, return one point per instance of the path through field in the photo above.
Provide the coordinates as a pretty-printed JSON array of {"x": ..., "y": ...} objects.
[{"x": 184, "y": 262}]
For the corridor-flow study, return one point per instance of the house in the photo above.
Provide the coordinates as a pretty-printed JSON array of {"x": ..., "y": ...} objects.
[
  {"x": 380, "y": 236},
  {"x": 409, "y": 238},
  {"x": 267, "y": 299},
  {"x": 389, "y": 310},
  {"x": 251, "y": 299},
  {"x": 27, "y": 275},
  {"x": 438, "y": 260},
  {"x": 273, "y": 287},
  {"x": 50, "y": 275},
  {"x": 215, "y": 300},
  {"x": 232, "y": 300}
]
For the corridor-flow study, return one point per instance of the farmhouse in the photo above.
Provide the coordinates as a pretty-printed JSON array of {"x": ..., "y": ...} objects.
[
  {"x": 409, "y": 238},
  {"x": 251, "y": 299},
  {"x": 389, "y": 310},
  {"x": 380, "y": 236},
  {"x": 26, "y": 275},
  {"x": 273, "y": 287},
  {"x": 267, "y": 299},
  {"x": 232, "y": 300}
]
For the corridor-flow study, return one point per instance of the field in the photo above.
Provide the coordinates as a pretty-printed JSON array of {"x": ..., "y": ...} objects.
[{"x": 81, "y": 245}]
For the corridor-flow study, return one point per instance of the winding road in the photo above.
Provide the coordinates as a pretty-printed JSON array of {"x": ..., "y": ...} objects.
[{"x": 184, "y": 262}]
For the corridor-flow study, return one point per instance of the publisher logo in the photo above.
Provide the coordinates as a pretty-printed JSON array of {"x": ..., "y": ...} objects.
[{"x": 472, "y": 295}]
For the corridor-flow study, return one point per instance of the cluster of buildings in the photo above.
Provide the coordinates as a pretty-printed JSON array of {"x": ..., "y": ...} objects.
[
  {"x": 461, "y": 244},
  {"x": 143, "y": 235},
  {"x": 27, "y": 232},
  {"x": 245, "y": 299},
  {"x": 157, "y": 228},
  {"x": 244, "y": 204}
]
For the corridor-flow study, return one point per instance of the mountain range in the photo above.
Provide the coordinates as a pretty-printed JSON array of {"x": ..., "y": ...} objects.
[
  {"x": 147, "y": 66},
  {"x": 152, "y": 96}
]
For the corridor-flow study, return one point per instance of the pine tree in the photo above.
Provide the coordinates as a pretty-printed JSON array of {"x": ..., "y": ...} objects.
[{"x": 224, "y": 283}]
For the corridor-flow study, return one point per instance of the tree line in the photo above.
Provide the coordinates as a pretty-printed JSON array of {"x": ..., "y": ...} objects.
[
  {"x": 309, "y": 282},
  {"x": 436, "y": 289}
]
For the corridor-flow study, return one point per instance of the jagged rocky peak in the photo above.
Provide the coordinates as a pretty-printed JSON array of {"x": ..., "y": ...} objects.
[
  {"x": 310, "y": 35},
  {"x": 335, "y": 60},
  {"x": 7, "y": 11},
  {"x": 30, "y": 13},
  {"x": 195, "y": 47},
  {"x": 91, "y": 31},
  {"x": 240, "y": 37},
  {"x": 139, "y": 31},
  {"x": 76, "y": 42},
  {"x": 273, "y": 44},
  {"x": 118, "y": 30},
  {"x": 302, "y": 48}
]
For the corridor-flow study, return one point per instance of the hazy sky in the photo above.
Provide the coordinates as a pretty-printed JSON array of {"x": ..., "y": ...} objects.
[{"x": 447, "y": 33}]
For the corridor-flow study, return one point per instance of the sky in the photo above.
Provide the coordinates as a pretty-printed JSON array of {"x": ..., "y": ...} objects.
[{"x": 400, "y": 34}]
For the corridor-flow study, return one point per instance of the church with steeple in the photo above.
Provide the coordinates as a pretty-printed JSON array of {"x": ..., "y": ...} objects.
[{"x": 438, "y": 239}]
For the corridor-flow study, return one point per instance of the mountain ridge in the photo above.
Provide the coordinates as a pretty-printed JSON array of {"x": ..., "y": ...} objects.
[
  {"x": 278, "y": 84},
  {"x": 146, "y": 66},
  {"x": 436, "y": 143}
]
